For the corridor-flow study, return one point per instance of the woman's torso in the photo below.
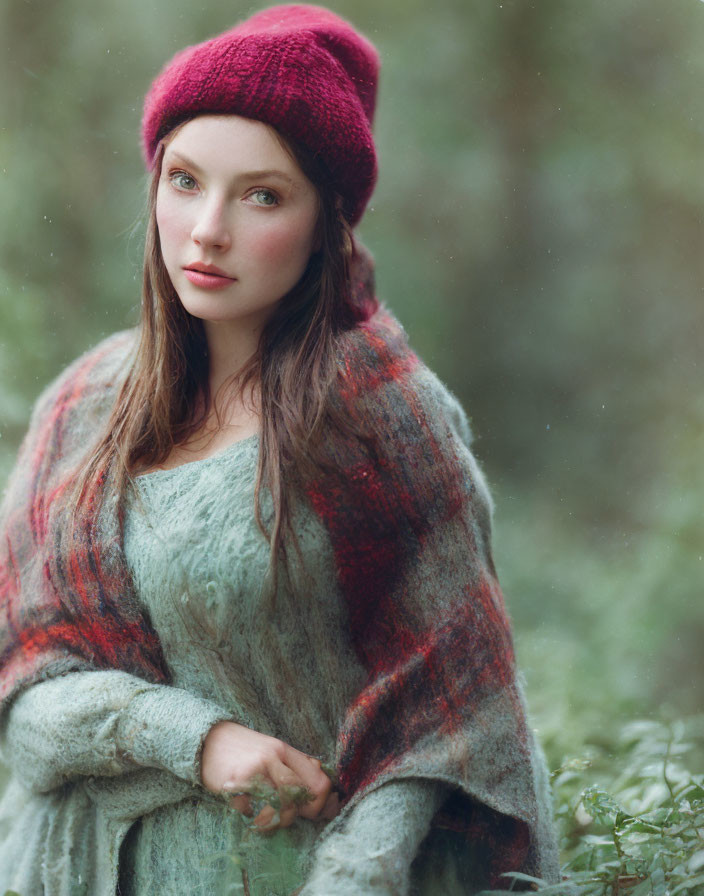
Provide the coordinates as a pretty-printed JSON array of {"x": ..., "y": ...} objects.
[{"x": 199, "y": 562}]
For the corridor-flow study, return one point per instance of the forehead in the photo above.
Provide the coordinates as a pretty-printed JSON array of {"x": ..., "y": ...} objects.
[{"x": 231, "y": 142}]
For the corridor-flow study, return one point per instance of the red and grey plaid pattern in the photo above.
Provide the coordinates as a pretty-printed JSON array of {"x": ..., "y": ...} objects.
[
  {"x": 408, "y": 518},
  {"x": 67, "y": 603},
  {"x": 409, "y": 523}
]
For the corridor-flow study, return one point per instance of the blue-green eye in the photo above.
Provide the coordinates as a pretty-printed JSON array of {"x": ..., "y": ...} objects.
[
  {"x": 181, "y": 180},
  {"x": 264, "y": 197}
]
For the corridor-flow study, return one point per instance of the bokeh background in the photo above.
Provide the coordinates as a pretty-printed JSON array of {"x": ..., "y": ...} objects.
[{"x": 537, "y": 227}]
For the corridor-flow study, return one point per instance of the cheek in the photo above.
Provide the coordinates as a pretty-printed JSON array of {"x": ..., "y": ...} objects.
[
  {"x": 287, "y": 244},
  {"x": 170, "y": 223}
]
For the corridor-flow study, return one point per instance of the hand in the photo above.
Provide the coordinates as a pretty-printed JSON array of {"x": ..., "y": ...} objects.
[{"x": 236, "y": 758}]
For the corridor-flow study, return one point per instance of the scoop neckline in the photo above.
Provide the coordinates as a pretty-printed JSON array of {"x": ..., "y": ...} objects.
[{"x": 200, "y": 462}]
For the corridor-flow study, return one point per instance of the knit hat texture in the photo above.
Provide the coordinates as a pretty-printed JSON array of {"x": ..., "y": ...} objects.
[{"x": 300, "y": 68}]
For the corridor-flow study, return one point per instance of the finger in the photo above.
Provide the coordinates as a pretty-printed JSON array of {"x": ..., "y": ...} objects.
[
  {"x": 267, "y": 820},
  {"x": 243, "y": 804},
  {"x": 304, "y": 765},
  {"x": 309, "y": 770},
  {"x": 240, "y": 798},
  {"x": 287, "y": 817},
  {"x": 289, "y": 786},
  {"x": 331, "y": 807}
]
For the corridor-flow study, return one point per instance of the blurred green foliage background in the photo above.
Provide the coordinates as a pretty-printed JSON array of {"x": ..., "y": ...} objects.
[{"x": 537, "y": 226}]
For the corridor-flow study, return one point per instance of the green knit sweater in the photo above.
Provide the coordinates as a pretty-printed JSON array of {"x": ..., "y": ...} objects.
[{"x": 108, "y": 765}]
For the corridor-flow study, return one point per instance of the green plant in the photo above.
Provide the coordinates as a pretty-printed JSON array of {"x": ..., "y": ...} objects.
[{"x": 644, "y": 835}]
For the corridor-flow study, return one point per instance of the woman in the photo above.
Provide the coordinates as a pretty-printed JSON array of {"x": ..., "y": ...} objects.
[{"x": 252, "y": 637}]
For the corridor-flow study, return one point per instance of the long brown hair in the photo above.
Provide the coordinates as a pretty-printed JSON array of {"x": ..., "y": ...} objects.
[{"x": 166, "y": 396}]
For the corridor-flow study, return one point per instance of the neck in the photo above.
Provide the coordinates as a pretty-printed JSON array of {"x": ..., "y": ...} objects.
[{"x": 230, "y": 346}]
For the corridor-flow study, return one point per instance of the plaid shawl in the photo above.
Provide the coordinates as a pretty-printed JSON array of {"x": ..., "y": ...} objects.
[{"x": 409, "y": 521}]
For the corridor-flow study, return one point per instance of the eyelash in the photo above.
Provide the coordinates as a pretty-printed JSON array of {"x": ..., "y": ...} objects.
[
  {"x": 173, "y": 175},
  {"x": 266, "y": 190}
]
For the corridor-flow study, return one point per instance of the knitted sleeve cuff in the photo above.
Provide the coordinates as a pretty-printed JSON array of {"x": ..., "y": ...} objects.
[
  {"x": 103, "y": 723},
  {"x": 166, "y": 727},
  {"x": 373, "y": 852}
]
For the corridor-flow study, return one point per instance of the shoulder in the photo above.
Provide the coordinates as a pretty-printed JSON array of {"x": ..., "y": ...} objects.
[
  {"x": 69, "y": 412},
  {"x": 383, "y": 380},
  {"x": 76, "y": 404},
  {"x": 90, "y": 379},
  {"x": 417, "y": 422}
]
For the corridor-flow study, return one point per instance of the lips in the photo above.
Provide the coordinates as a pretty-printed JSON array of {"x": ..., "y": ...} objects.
[
  {"x": 208, "y": 269},
  {"x": 207, "y": 276}
]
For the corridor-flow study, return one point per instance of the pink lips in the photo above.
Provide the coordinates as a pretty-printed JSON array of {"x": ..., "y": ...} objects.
[{"x": 207, "y": 279}]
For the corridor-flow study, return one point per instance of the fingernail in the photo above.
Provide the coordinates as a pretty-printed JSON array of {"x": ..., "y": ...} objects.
[{"x": 273, "y": 821}]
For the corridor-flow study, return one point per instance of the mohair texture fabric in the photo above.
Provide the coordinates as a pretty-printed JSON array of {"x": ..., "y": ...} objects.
[
  {"x": 408, "y": 518},
  {"x": 300, "y": 68},
  {"x": 92, "y": 752},
  {"x": 197, "y": 560}
]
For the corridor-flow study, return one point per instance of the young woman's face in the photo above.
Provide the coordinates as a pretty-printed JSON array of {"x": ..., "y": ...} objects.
[{"x": 232, "y": 200}]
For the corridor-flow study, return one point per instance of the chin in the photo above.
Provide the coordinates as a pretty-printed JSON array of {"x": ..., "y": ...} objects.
[{"x": 210, "y": 311}]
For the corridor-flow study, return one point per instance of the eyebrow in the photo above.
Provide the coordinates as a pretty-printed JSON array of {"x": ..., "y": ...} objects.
[{"x": 246, "y": 175}]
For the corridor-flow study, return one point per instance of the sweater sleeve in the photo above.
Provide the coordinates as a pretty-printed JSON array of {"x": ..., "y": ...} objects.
[
  {"x": 373, "y": 852},
  {"x": 103, "y": 723}
]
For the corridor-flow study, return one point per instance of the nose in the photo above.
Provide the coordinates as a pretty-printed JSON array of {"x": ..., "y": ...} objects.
[{"x": 211, "y": 227}]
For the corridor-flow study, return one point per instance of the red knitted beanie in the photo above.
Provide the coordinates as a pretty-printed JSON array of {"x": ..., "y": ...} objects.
[{"x": 301, "y": 69}]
